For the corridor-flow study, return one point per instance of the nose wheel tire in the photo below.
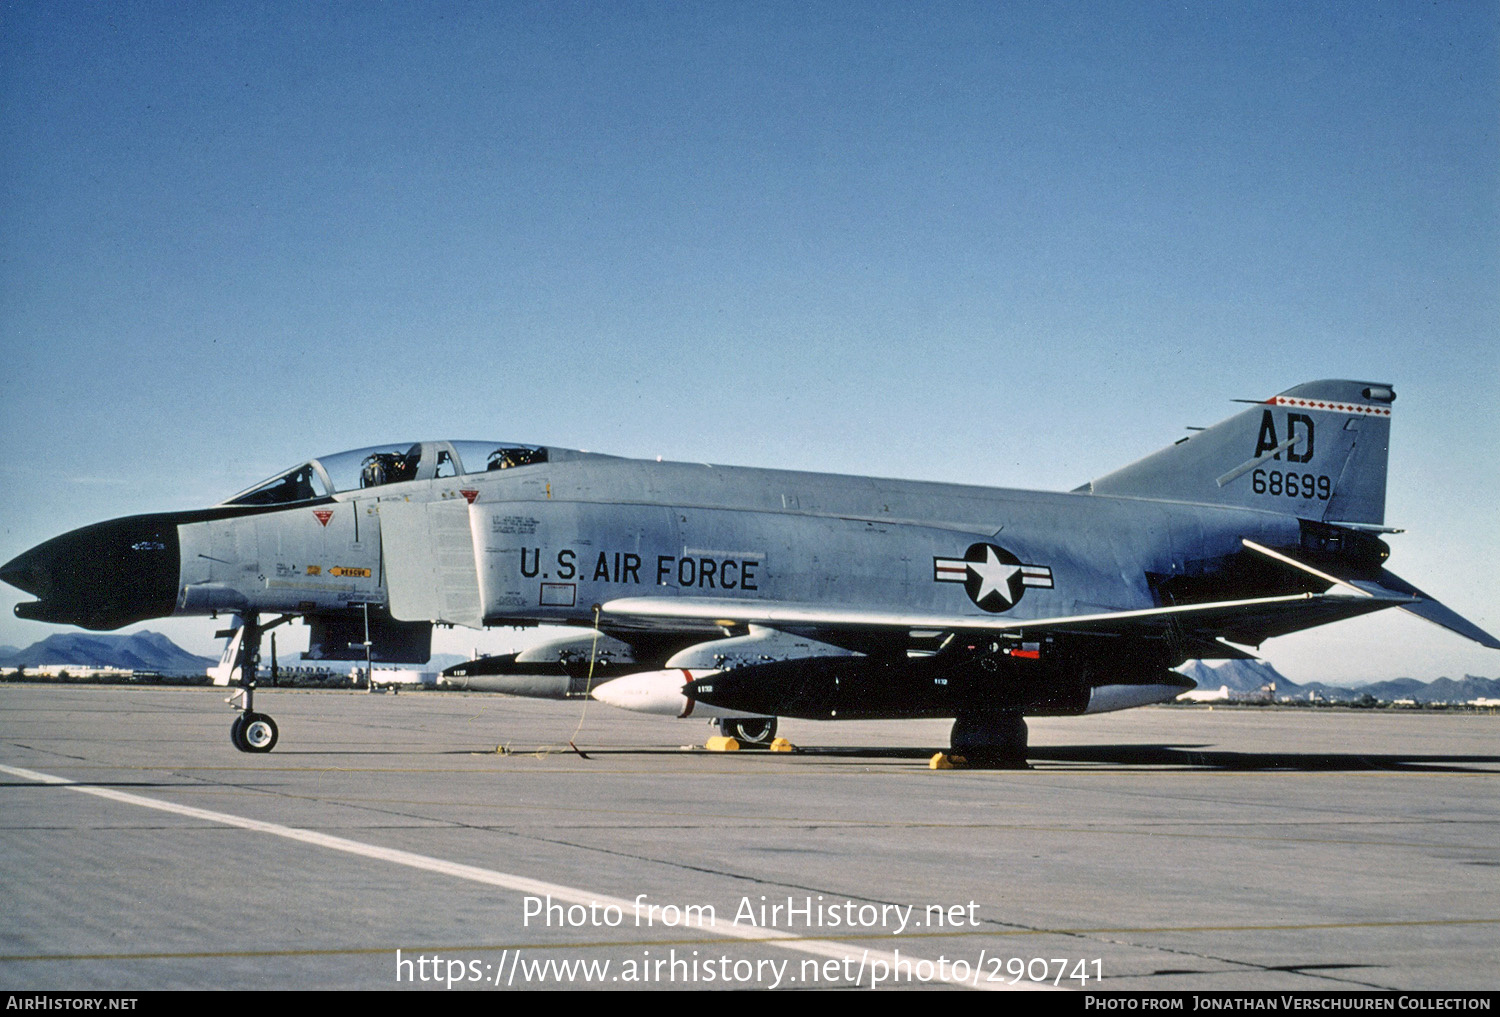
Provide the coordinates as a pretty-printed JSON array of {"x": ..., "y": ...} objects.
[
  {"x": 756, "y": 731},
  {"x": 253, "y": 732}
]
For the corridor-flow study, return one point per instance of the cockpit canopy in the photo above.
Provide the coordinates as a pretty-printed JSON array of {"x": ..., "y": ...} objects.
[{"x": 379, "y": 465}]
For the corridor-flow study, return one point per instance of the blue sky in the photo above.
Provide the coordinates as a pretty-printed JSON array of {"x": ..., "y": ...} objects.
[{"x": 1008, "y": 244}]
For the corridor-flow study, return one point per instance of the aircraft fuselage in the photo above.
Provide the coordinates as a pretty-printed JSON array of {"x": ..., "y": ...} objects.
[{"x": 544, "y": 543}]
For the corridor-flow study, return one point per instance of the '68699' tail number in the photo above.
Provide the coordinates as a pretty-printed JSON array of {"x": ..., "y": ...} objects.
[{"x": 1289, "y": 484}]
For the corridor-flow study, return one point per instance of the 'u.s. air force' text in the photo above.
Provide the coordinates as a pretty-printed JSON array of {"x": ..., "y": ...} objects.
[{"x": 701, "y": 572}]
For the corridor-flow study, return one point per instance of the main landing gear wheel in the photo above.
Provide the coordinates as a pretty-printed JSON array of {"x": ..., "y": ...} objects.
[
  {"x": 253, "y": 732},
  {"x": 757, "y": 732},
  {"x": 991, "y": 739}
]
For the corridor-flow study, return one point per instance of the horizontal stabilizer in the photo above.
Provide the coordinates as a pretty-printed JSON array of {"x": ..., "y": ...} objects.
[{"x": 1428, "y": 609}]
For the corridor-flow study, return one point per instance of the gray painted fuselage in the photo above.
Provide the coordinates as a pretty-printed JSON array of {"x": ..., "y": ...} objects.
[{"x": 554, "y": 539}]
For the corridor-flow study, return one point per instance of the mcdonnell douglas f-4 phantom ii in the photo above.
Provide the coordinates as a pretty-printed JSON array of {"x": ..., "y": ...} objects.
[{"x": 750, "y": 594}]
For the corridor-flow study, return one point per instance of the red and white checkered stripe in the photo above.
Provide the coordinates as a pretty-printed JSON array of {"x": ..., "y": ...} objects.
[{"x": 1325, "y": 404}]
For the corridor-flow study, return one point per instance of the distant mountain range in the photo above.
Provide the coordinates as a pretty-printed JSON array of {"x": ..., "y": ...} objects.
[
  {"x": 1239, "y": 675},
  {"x": 1250, "y": 675},
  {"x": 142, "y": 651}
]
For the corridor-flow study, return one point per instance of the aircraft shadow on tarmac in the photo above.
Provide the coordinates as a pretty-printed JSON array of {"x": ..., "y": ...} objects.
[
  {"x": 1165, "y": 756},
  {"x": 1198, "y": 757},
  {"x": 1175, "y": 756}
]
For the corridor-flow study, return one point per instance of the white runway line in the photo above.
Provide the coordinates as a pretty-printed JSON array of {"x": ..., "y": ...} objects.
[{"x": 522, "y": 884}]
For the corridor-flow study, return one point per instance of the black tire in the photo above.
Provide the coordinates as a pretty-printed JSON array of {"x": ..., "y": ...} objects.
[
  {"x": 258, "y": 733},
  {"x": 994, "y": 739},
  {"x": 237, "y": 733},
  {"x": 757, "y": 731}
]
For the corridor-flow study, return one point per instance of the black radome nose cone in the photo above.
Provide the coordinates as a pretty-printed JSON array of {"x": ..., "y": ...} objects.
[
  {"x": 102, "y": 576},
  {"x": 18, "y": 572}
]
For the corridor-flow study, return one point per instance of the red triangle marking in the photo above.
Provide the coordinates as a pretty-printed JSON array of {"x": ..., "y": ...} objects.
[
  {"x": 469, "y": 494},
  {"x": 323, "y": 515}
]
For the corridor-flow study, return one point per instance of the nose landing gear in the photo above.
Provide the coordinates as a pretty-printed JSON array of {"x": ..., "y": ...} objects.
[{"x": 251, "y": 731}]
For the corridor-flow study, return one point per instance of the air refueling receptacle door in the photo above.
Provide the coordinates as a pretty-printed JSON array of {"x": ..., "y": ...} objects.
[{"x": 428, "y": 555}]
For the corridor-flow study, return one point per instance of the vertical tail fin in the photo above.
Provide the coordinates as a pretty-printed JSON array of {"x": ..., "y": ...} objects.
[{"x": 1317, "y": 451}]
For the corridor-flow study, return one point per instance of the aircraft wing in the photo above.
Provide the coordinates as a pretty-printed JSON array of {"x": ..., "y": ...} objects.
[{"x": 1241, "y": 621}]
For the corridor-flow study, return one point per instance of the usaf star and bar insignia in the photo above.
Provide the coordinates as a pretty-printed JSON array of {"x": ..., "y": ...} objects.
[{"x": 994, "y": 578}]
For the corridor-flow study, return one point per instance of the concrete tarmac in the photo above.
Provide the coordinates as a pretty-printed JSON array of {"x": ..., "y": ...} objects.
[{"x": 1165, "y": 848}]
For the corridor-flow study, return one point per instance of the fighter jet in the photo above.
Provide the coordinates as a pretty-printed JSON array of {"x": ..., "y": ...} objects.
[{"x": 752, "y": 594}]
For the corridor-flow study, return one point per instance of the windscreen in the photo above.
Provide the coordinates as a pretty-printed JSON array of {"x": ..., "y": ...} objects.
[{"x": 297, "y": 484}]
